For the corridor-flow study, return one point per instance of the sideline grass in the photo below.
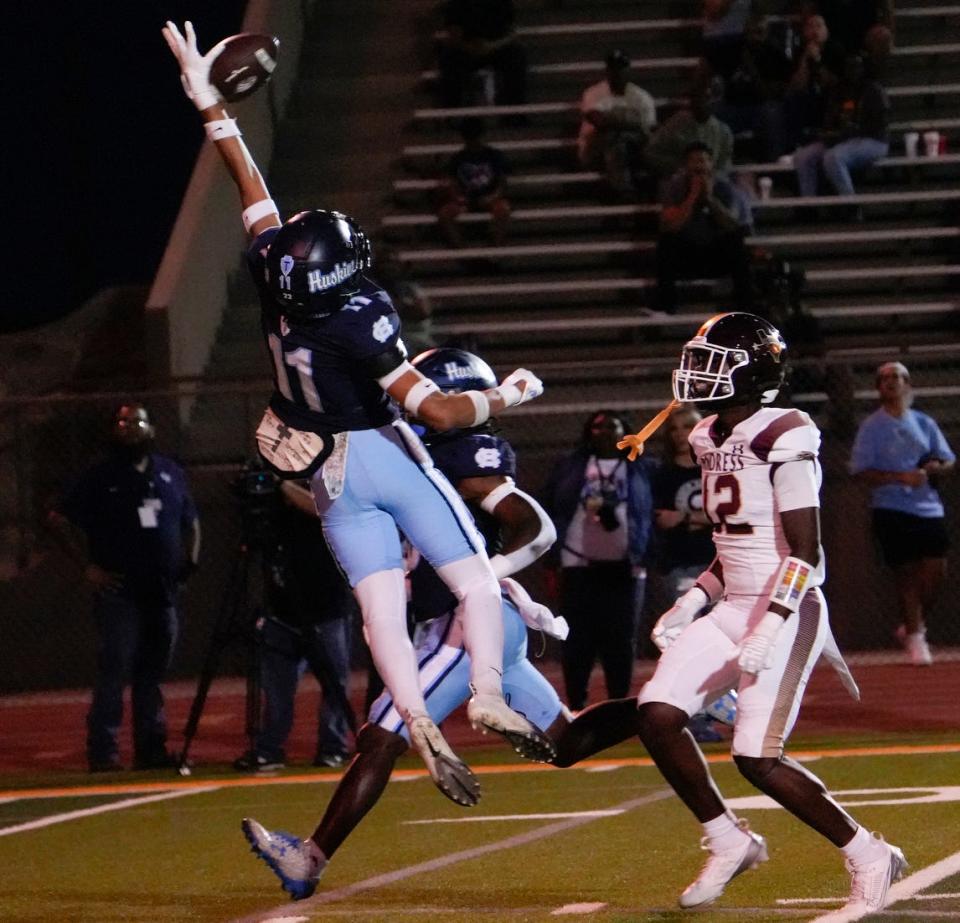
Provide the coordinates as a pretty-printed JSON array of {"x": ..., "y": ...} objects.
[{"x": 186, "y": 860}]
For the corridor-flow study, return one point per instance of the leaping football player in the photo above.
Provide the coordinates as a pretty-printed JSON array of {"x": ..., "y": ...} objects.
[
  {"x": 768, "y": 624},
  {"x": 339, "y": 365},
  {"x": 482, "y": 466}
]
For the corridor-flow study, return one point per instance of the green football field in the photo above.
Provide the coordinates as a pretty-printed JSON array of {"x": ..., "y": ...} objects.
[{"x": 605, "y": 841}]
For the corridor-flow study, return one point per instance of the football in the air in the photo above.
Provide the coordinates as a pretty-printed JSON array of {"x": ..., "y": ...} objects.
[{"x": 244, "y": 64}]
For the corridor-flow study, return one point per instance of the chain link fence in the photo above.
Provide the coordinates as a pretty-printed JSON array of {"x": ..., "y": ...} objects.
[{"x": 46, "y": 442}]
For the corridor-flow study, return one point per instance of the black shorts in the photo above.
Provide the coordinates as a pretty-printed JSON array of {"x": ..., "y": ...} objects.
[{"x": 904, "y": 537}]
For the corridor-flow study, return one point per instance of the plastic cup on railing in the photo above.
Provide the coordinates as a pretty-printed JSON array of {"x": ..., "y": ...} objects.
[
  {"x": 765, "y": 185},
  {"x": 910, "y": 141},
  {"x": 931, "y": 143}
]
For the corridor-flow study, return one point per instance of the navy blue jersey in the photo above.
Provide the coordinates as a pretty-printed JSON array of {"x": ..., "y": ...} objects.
[
  {"x": 134, "y": 522},
  {"x": 321, "y": 367},
  {"x": 460, "y": 455}
]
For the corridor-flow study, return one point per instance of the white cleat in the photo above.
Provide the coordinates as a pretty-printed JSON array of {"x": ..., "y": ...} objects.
[
  {"x": 288, "y": 856},
  {"x": 490, "y": 712},
  {"x": 450, "y": 774},
  {"x": 722, "y": 867},
  {"x": 870, "y": 881}
]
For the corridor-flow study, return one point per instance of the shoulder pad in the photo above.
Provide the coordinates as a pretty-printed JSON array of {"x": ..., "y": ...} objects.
[{"x": 790, "y": 436}]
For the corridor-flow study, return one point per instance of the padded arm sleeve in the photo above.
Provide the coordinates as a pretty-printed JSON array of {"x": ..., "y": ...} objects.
[{"x": 796, "y": 484}]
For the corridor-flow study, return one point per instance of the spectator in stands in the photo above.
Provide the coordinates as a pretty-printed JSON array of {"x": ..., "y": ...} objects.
[
  {"x": 724, "y": 22},
  {"x": 602, "y": 508},
  {"x": 479, "y": 35},
  {"x": 754, "y": 90},
  {"x": 901, "y": 455},
  {"x": 853, "y": 136},
  {"x": 310, "y": 608},
  {"x": 476, "y": 181},
  {"x": 131, "y": 521},
  {"x": 702, "y": 228},
  {"x": 411, "y": 301},
  {"x": 817, "y": 70},
  {"x": 617, "y": 118},
  {"x": 850, "y": 21},
  {"x": 666, "y": 152}
]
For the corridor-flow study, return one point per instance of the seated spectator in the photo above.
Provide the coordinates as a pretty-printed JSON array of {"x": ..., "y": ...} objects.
[
  {"x": 724, "y": 22},
  {"x": 849, "y": 21},
  {"x": 477, "y": 176},
  {"x": 818, "y": 68},
  {"x": 702, "y": 229},
  {"x": 479, "y": 35},
  {"x": 617, "y": 118},
  {"x": 666, "y": 152},
  {"x": 753, "y": 92},
  {"x": 854, "y": 133}
]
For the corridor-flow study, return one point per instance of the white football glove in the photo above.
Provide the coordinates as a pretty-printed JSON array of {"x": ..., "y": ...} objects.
[
  {"x": 535, "y": 614},
  {"x": 756, "y": 649},
  {"x": 519, "y": 387},
  {"x": 194, "y": 67},
  {"x": 677, "y": 617}
]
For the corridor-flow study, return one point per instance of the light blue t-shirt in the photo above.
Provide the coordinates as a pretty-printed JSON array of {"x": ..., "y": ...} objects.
[{"x": 888, "y": 443}]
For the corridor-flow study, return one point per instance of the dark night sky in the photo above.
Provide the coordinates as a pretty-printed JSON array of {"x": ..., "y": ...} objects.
[{"x": 103, "y": 141}]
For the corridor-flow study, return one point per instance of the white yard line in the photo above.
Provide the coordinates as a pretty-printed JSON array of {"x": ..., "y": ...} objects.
[
  {"x": 473, "y": 819},
  {"x": 592, "y": 907},
  {"x": 53, "y": 819},
  {"x": 432, "y": 865}
]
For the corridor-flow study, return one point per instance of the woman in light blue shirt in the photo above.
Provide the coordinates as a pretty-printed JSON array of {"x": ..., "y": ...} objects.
[{"x": 901, "y": 454}]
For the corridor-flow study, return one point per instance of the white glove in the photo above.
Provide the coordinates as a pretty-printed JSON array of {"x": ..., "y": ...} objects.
[
  {"x": 535, "y": 614},
  {"x": 756, "y": 649},
  {"x": 678, "y": 617},
  {"x": 194, "y": 67},
  {"x": 519, "y": 387}
]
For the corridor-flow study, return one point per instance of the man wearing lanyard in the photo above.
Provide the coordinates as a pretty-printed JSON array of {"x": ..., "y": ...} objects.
[{"x": 132, "y": 523}]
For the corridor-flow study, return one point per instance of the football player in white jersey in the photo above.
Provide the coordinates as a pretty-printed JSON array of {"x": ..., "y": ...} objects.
[{"x": 768, "y": 625}]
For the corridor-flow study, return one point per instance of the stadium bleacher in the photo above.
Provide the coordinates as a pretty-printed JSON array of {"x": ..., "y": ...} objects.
[{"x": 577, "y": 263}]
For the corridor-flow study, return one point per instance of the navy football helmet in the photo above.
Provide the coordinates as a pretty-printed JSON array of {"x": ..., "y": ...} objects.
[
  {"x": 455, "y": 370},
  {"x": 315, "y": 263},
  {"x": 734, "y": 358}
]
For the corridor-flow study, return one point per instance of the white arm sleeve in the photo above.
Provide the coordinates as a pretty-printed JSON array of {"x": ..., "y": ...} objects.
[
  {"x": 796, "y": 484},
  {"x": 506, "y": 564},
  {"x": 797, "y": 475},
  {"x": 391, "y": 377}
]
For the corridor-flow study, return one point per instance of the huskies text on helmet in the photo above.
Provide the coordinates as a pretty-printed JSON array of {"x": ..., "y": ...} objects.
[
  {"x": 315, "y": 263},
  {"x": 455, "y": 370},
  {"x": 734, "y": 358}
]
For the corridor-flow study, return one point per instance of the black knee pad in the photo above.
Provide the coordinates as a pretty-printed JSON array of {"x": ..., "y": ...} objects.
[
  {"x": 756, "y": 769},
  {"x": 373, "y": 739}
]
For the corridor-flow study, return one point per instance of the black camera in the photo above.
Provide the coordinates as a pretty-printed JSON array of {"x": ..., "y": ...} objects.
[
  {"x": 607, "y": 516},
  {"x": 259, "y": 493}
]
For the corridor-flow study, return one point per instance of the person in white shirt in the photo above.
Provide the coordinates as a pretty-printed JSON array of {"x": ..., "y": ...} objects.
[{"x": 617, "y": 119}]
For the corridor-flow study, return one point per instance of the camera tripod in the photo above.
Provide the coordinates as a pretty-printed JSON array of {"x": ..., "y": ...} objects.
[{"x": 238, "y": 623}]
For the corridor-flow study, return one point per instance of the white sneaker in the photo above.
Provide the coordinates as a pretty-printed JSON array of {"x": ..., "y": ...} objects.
[
  {"x": 722, "y": 867},
  {"x": 450, "y": 774},
  {"x": 490, "y": 712},
  {"x": 288, "y": 856},
  {"x": 918, "y": 651},
  {"x": 870, "y": 882}
]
